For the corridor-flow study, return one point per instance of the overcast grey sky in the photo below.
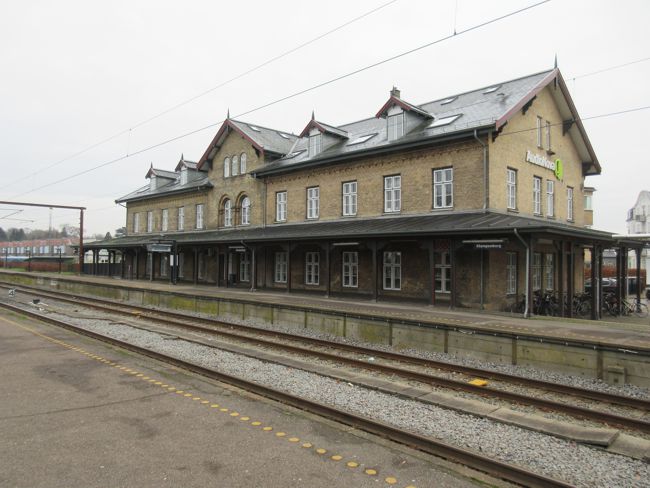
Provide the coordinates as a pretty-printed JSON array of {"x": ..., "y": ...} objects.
[{"x": 77, "y": 72}]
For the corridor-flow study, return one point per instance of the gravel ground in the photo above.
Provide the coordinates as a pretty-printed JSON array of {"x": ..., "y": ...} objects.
[{"x": 574, "y": 463}]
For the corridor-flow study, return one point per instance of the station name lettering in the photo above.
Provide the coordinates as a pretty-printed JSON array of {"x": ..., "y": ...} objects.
[{"x": 540, "y": 160}]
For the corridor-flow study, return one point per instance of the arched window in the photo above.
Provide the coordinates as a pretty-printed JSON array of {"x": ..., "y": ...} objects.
[
  {"x": 242, "y": 163},
  {"x": 235, "y": 165},
  {"x": 245, "y": 211},
  {"x": 226, "y": 167},
  {"x": 227, "y": 213}
]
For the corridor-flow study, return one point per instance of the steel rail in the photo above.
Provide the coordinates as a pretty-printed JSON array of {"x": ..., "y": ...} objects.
[
  {"x": 614, "y": 399},
  {"x": 539, "y": 402},
  {"x": 476, "y": 461}
]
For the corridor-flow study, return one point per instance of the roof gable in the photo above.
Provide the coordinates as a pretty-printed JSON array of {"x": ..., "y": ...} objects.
[
  {"x": 323, "y": 128},
  {"x": 407, "y": 107}
]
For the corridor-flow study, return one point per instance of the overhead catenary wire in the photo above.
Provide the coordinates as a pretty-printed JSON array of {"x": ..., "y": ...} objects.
[
  {"x": 295, "y": 94},
  {"x": 204, "y": 93}
]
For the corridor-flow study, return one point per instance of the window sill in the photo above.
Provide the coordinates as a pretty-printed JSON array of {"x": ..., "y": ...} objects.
[
  {"x": 513, "y": 210},
  {"x": 441, "y": 209},
  {"x": 550, "y": 217}
]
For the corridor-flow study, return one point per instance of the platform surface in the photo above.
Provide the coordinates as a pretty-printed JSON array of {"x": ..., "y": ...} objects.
[
  {"x": 623, "y": 332},
  {"x": 70, "y": 418}
]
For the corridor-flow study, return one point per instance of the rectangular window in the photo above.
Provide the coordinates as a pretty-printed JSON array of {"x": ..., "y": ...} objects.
[
  {"x": 392, "y": 271},
  {"x": 569, "y": 203},
  {"x": 312, "y": 268},
  {"x": 539, "y": 132},
  {"x": 280, "y": 267},
  {"x": 443, "y": 188},
  {"x": 181, "y": 265},
  {"x": 149, "y": 221},
  {"x": 313, "y": 204},
  {"x": 245, "y": 267},
  {"x": 548, "y": 271},
  {"x": 395, "y": 126},
  {"x": 199, "y": 216},
  {"x": 202, "y": 268},
  {"x": 392, "y": 193},
  {"x": 537, "y": 195},
  {"x": 588, "y": 202},
  {"x": 314, "y": 145},
  {"x": 281, "y": 206},
  {"x": 512, "y": 188},
  {"x": 537, "y": 271},
  {"x": 350, "y": 269},
  {"x": 181, "y": 218},
  {"x": 548, "y": 135},
  {"x": 136, "y": 223},
  {"x": 164, "y": 265},
  {"x": 350, "y": 198},
  {"x": 511, "y": 273},
  {"x": 165, "y": 220},
  {"x": 550, "y": 198},
  {"x": 442, "y": 272}
]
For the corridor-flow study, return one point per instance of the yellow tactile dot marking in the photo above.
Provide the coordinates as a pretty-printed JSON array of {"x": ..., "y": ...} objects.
[
  {"x": 293, "y": 439},
  {"x": 390, "y": 480},
  {"x": 336, "y": 457},
  {"x": 321, "y": 451},
  {"x": 154, "y": 382},
  {"x": 256, "y": 423},
  {"x": 244, "y": 419},
  {"x": 187, "y": 395},
  {"x": 145, "y": 377},
  {"x": 205, "y": 402},
  {"x": 371, "y": 472},
  {"x": 158, "y": 383},
  {"x": 352, "y": 464},
  {"x": 280, "y": 434},
  {"x": 214, "y": 405},
  {"x": 267, "y": 429},
  {"x": 171, "y": 388},
  {"x": 223, "y": 409},
  {"x": 234, "y": 414},
  {"x": 139, "y": 375},
  {"x": 162, "y": 385},
  {"x": 196, "y": 398},
  {"x": 307, "y": 445}
]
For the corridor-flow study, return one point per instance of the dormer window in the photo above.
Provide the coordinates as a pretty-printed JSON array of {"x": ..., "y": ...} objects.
[
  {"x": 314, "y": 145},
  {"x": 395, "y": 126},
  {"x": 153, "y": 183},
  {"x": 184, "y": 176}
]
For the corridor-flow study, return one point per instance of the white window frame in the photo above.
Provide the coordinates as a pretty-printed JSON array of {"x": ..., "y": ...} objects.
[
  {"x": 245, "y": 211},
  {"x": 280, "y": 274},
  {"x": 227, "y": 212},
  {"x": 569, "y": 203},
  {"x": 395, "y": 126},
  {"x": 242, "y": 163},
  {"x": 349, "y": 198},
  {"x": 511, "y": 273},
  {"x": 181, "y": 218},
  {"x": 511, "y": 188},
  {"x": 537, "y": 195},
  {"x": 281, "y": 206},
  {"x": 540, "y": 140},
  {"x": 442, "y": 273},
  {"x": 550, "y": 198},
  {"x": 443, "y": 188},
  {"x": 136, "y": 222},
  {"x": 226, "y": 167},
  {"x": 245, "y": 267},
  {"x": 392, "y": 193},
  {"x": 165, "y": 220},
  {"x": 315, "y": 144},
  {"x": 588, "y": 202},
  {"x": 392, "y": 270},
  {"x": 313, "y": 202},
  {"x": 548, "y": 135},
  {"x": 350, "y": 270},
  {"x": 537, "y": 271},
  {"x": 200, "y": 208},
  {"x": 549, "y": 276},
  {"x": 234, "y": 167},
  {"x": 149, "y": 221},
  {"x": 312, "y": 268}
]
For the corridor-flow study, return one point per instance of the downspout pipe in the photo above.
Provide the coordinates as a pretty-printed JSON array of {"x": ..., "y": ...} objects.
[
  {"x": 526, "y": 311},
  {"x": 485, "y": 175}
]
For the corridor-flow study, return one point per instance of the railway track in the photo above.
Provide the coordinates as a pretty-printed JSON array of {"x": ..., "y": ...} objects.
[
  {"x": 281, "y": 340},
  {"x": 465, "y": 457}
]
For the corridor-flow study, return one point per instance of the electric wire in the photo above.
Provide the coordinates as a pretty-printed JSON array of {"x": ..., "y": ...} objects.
[
  {"x": 203, "y": 93},
  {"x": 295, "y": 94}
]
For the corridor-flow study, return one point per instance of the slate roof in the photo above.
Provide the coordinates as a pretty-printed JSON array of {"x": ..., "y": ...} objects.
[
  {"x": 269, "y": 139},
  {"x": 197, "y": 182},
  {"x": 477, "y": 224}
]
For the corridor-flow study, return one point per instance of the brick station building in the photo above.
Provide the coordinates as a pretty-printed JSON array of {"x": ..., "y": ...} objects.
[{"x": 474, "y": 200}]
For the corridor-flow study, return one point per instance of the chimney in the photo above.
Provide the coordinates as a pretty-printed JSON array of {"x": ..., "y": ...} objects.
[{"x": 395, "y": 92}]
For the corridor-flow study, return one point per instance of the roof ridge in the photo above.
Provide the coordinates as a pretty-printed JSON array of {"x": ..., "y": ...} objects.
[{"x": 263, "y": 127}]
